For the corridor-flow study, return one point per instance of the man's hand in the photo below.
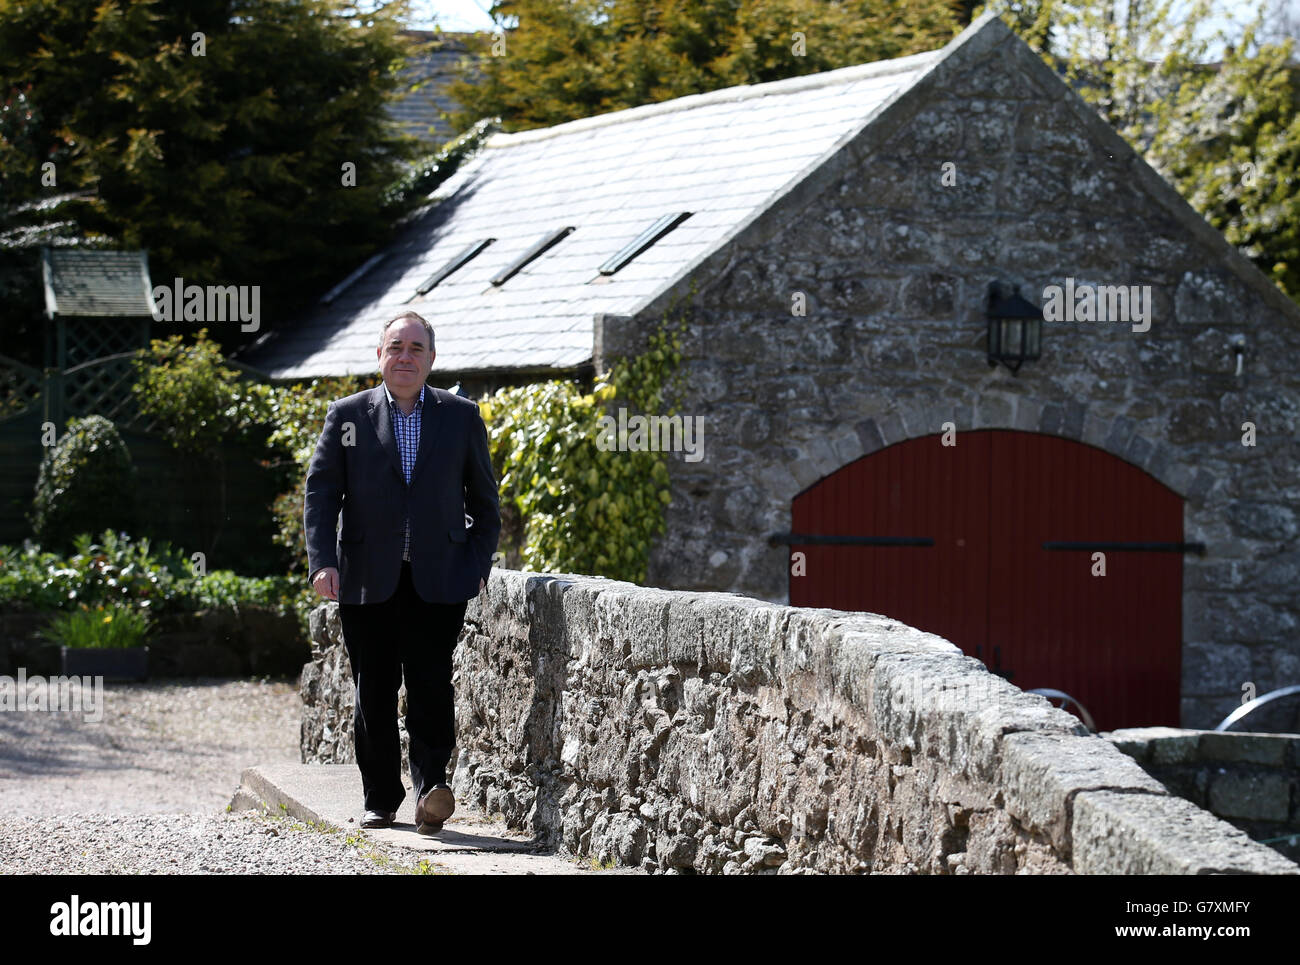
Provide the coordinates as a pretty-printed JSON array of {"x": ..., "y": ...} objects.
[{"x": 326, "y": 583}]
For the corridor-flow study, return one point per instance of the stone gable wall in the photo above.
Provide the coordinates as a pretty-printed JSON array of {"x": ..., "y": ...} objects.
[{"x": 895, "y": 266}]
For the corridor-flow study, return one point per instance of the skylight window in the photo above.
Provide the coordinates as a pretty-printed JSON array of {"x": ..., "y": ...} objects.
[
  {"x": 453, "y": 265},
  {"x": 643, "y": 241},
  {"x": 342, "y": 286},
  {"x": 547, "y": 242}
]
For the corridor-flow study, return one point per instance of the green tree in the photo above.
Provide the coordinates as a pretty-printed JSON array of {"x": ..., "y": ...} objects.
[
  {"x": 214, "y": 133},
  {"x": 1224, "y": 133},
  {"x": 574, "y": 58},
  {"x": 30, "y": 217}
]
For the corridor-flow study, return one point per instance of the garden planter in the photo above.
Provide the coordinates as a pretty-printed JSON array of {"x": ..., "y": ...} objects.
[{"x": 128, "y": 663}]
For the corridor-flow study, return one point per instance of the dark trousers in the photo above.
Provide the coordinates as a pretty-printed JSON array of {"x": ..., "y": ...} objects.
[{"x": 403, "y": 636}]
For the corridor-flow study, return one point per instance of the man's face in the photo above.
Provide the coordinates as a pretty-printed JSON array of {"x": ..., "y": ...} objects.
[{"x": 405, "y": 358}]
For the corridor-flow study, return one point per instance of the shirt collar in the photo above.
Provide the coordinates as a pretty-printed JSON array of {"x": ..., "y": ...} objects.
[{"x": 419, "y": 400}]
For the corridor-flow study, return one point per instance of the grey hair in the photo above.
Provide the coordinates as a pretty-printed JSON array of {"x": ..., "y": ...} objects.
[{"x": 403, "y": 317}]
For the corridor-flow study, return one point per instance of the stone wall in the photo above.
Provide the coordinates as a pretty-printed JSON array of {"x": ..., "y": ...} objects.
[
  {"x": 711, "y": 733},
  {"x": 894, "y": 264},
  {"x": 1249, "y": 780}
]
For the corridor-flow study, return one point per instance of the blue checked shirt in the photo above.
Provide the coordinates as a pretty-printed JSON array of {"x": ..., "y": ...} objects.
[{"x": 407, "y": 430}]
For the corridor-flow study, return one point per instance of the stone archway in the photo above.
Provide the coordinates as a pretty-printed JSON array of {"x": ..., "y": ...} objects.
[{"x": 1056, "y": 563}]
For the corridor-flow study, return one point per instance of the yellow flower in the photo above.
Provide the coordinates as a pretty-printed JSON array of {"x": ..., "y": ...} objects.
[{"x": 109, "y": 618}]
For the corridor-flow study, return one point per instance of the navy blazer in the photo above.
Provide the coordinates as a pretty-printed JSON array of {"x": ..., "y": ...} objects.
[{"x": 452, "y": 476}]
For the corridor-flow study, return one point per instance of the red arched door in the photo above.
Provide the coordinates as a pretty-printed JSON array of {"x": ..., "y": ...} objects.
[{"x": 990, "y": 580}]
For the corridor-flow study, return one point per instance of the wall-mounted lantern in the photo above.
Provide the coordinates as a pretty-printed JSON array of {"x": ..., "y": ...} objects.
[{"x": 1015, "y": 327}]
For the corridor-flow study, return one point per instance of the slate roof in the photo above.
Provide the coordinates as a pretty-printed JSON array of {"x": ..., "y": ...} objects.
[
  {"x": 417, "y": 112},
  {"x": 724, "y": 156},
  {"x": 83, "y": 282}
]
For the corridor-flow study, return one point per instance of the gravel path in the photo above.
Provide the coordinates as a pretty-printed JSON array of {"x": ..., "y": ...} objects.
[
  {"x": 162, "y": 747},
  {"x": 143, "y": 791},
  {"x": 243, "y": 842}
]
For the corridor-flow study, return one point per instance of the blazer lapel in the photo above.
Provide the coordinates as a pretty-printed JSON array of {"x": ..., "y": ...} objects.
[
  {"x": 431, "y": 422},
  {"x": 377, "y": 408}
]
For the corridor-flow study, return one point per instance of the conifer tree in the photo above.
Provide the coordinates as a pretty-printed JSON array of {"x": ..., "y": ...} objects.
[{"x": 565, "y": 59}]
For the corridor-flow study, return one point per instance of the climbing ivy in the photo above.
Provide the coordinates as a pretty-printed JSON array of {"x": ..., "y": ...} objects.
[{"x": 568, "y": 506}]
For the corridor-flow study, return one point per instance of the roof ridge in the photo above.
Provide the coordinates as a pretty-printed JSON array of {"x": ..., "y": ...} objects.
[{"x": 788, "y": 85}]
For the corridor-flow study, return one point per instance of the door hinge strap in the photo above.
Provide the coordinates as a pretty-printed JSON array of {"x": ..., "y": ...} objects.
[
  {"x": 1197, "y": 548},
  {"x": 818, "y": 539}
]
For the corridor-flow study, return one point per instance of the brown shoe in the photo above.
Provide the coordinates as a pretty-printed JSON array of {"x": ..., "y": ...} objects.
[{"x": 434, "y": 808}]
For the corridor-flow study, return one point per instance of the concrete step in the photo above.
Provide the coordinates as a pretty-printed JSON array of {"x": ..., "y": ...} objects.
[{"x": 469, "y": 842}]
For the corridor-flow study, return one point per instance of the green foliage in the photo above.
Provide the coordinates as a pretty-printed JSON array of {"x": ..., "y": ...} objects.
[
  {"x": 226, "y": 166},
  {"x": 118, "y": 572},
  {"x": 581, "y": 510},
  {"x": 199, "y": 404},
  {"x": 113, "y": 570},
  {"x": 225, "y": 589},
  {"x": 29, "y": 218},
  {"x": 295, "y": 414},
  {"x": 198, "y": 401},
  {"x": 1226, "y": 135},
  {"x": 100, "y": 627},
  {"x": 576, "y": 58},
  {"x": 86, "y": 480},
  {"x": 426, "y": 173},
  {"x": 577, "y": 508},
  {"x": 1231, "y": 146}
]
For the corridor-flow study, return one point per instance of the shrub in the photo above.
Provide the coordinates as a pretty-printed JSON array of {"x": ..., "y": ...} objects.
[
  {"x": 112, "y": 570},
  {"x": 86, "y": 481},
  {"x": 195, "y": 400},
  {"x": 198, "y": 402},
  {"x": 226, "y": 589},
  {"x": 101, "y": 627},
  {"x": 295, "y": 414},
  {"x": 115, "y": 571}
]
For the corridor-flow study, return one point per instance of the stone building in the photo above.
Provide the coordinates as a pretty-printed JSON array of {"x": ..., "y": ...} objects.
[
  {"x": 1115, "y": 519},
  {"x": 441, "y": 60}
]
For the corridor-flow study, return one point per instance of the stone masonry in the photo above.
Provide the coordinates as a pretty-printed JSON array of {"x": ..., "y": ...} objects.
[
  {"x": 894, "y": 264},
  {"x": 710, "y": 733},
  {"x": 1251, "y": 780}
]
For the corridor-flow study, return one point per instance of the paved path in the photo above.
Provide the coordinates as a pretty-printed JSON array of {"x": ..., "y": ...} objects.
[
  {"x": 145, "y": 790},
  {"x": 470, "y": 842}
]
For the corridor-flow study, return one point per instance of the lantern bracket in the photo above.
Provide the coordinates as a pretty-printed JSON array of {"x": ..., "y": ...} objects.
[{"x": 1008, "y": 313}]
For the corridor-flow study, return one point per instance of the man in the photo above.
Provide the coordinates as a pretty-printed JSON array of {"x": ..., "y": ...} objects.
[{"x": 405, "y": 463}]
